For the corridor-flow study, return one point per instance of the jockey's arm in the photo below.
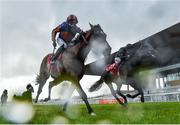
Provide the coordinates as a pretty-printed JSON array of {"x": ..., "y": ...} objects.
[{"x": 54, "y": 32}]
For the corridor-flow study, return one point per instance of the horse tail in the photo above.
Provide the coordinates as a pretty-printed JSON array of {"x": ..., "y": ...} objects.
[
  {"x": 37, "y": 80},
  {"x": 96, "y": 86},
  {"x": 43, "y": 73}
]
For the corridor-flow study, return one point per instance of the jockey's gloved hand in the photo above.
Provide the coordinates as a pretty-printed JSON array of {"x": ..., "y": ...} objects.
[
  {"x": 54, "y": 44},
  {"x": 81, "y": 32},
  {"x": 72, "y": 43}
]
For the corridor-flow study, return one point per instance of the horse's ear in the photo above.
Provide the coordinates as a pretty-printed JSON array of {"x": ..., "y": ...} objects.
[{"x": 90, "y": 25}]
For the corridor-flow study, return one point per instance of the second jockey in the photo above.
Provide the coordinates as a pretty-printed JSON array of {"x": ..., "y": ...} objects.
[
  {"x": 113, "y": 68},
  {"x": 68, "y": 32},
  {"x": 121, "y": 56}
]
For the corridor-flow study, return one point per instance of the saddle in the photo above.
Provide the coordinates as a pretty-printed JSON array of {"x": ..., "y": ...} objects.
[{"x": 55, "y": 67}]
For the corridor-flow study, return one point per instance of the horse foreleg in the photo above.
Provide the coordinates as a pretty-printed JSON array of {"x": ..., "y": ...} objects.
[
  {"x": 119, "y": 85},
  {"x": 71, "y": 90},
  {"x": 133, "y": 96},
  {"x": 113, "y": 92},
  {"x": 142, "y": 97},
  {"x": 140, "y": 92},
  {"x": 84, "y": 98}
]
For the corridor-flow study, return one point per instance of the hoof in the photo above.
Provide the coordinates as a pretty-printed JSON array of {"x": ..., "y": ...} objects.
[
  {"x": 35, "y": 101},
  {"x": 93, "y": 114},
  {"x": 46, "y": 99},
  {"x": 125, "y": 104},
  {"x": 142, "y": 100}
]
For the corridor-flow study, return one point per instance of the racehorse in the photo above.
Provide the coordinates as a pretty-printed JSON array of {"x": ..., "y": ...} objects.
[
  {"x": 140, "y": 59},
  {"x": 70, "y": 66}
]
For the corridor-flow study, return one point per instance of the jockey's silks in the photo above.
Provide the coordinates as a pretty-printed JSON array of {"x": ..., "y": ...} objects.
[
  {"x": 112, "y": 68},
  {"x": 67, "y": 32}
]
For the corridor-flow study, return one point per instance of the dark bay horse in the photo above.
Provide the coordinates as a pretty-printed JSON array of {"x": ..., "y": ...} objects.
[
  {"x": 140, "y": 59},
  {"x": 71, "y": 65}
]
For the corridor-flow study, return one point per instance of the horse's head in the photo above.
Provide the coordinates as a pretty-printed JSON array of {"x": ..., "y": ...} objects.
[
  {"x": 30, "y": 88},
  {"x": 147, "y": 54},
  {"x": 98, "y": 41}
]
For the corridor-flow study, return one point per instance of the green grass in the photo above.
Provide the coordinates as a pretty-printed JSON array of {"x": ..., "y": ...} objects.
[{"x": 134, "y": 113}]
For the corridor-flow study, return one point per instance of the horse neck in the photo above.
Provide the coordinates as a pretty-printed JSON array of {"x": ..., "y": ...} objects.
[
  {"x": 74, "y": 49},
  {"x": 82, "y": 49},
  {"x": 131, "y": 64},
  {"x": 85, "y": 47}
]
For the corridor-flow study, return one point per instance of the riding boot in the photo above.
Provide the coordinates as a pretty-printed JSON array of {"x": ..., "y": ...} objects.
[{"x": 60, "y": 49}]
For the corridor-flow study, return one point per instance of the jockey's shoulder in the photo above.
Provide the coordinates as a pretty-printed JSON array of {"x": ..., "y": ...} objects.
[{"x": 63, "y": 24}]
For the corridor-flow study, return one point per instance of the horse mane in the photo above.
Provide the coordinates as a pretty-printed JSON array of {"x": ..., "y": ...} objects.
[
  {"x": 133, "y": 54},
  {"x": 78, "y": 48},
  {"x": 131, "y": 61}
]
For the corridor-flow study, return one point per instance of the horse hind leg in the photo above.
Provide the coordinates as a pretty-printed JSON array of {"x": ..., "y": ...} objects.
[
  {"x": 42, "y": 78},
  {"x": 142, "y": 95},
  {"x": 51, "y": 85}
]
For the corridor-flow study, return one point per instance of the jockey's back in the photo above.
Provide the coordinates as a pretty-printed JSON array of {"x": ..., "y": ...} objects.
[{"x": 68, "y": 32}]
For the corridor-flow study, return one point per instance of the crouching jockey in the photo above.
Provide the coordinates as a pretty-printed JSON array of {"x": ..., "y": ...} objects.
[
  {"x": 112, "y": 70},
  {"x": 121, "y": 56},
  {"x": 68, "y": 32}
]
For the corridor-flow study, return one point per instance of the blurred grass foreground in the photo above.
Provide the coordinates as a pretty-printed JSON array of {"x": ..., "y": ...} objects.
[{"x": 134, "y": 113}]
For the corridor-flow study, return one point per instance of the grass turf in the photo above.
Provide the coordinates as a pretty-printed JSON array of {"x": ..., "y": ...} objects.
[{"x": 134, "y": 113}]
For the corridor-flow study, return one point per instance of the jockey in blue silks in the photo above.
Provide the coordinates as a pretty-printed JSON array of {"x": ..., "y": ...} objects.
[{"x": 68, "y": 32}]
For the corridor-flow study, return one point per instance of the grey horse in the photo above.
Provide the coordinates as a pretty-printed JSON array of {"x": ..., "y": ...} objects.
[{"x": 71, "y": 66}]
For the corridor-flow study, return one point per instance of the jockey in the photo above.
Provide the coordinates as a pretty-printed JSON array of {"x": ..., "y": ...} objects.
[
  {"x": 119, "y": 59},
  {"x": 123, "y": 54},
  {"x": 113, "y": 68},
  {"x": 68, "y": 32}
]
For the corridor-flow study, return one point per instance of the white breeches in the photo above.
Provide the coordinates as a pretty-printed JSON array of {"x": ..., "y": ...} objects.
[{"x": 61, "y": 42}]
